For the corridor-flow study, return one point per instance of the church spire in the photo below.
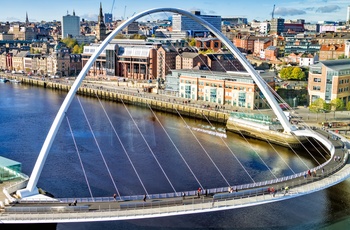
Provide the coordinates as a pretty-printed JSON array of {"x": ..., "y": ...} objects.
[
  {"x": 27, "y": 20},
  {"x": 100, "y": 16}
]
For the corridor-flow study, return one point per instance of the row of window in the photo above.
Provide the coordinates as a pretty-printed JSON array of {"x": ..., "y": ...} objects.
[
  {"x": 346, "y": 89},
  {"x": 344, "y": 81}
]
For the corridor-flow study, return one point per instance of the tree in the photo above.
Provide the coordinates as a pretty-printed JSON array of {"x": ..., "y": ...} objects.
[
  {"x": 348, "y": 106},
  {"x": 297, "y": 74},
  {"x": 337, "y": 104},
  {"x": 70, "y": 42},
  {"x": 76, "y": 49},
  {"x": 317, "y": 105},
  {"x": 292, "y": 73}
]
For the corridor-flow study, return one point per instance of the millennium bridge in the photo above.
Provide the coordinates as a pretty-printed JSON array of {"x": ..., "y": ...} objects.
[{"x": 24, "y": 204}]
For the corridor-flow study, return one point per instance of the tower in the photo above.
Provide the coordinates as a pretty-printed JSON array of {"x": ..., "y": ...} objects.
[
  {"x": 348, "y": 15},
  {"x": 27, "y": 20},
  {"x": 70, "y": 25},
  {"x": 101, "y": 27}
]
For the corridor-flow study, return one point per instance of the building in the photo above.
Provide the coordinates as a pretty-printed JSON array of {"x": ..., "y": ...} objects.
[
  {"x": 226, "y": 88},
  {"x": 330, "y": 80},
  {"x": 295, "y": 27},
  {"x": 204, "y": 44},
  {"x": 189, "y": 60},
  {"x": 166, "y": 60},
  {"x": 70, "y": 25},
  {"x": 332, "y": 51},
  {"x": 194, "y": 29},
  {"x": 245, "y": 43},
  {"x": 276, "y": 26},
  {"x": 108, "y": 18},
  {"x": 224, "y": 62},
  {"x": 260, "y": 45},
  {"x": 101, "y": 29},
  {"x": 133, "y": 28},
  {"x": 233, "y": 21},
  {"x": 18, "y": 60},
  {"x": 308, "y": 59},
  {"x": 301, "y": 43},
  {"x": 332, "y": 38},
  {"x": 271, "y": 53}
]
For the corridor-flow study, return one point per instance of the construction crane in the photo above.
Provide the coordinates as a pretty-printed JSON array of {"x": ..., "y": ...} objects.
[
  {"x": 124, "y": 12},
  {"x": 112, "y": 6},
  {"x": 273, "y": 11}
]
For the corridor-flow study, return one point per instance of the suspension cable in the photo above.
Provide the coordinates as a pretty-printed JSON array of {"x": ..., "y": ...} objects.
[
  {"x": 233, "y": 154},
  {"x": 178, "y": 151},
  {"x": 203, "y": 148},
  {"x": 150, "y": 149},
  {"x": 81, "y": 162},
  {"x": 98, "y": 146}
]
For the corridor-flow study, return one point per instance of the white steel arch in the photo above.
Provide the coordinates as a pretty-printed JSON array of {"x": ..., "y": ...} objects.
[{"x": 31, "y": 186}]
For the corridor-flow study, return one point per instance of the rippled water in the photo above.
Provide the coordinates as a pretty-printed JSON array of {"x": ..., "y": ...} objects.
[{"x": 27, "y": 113}]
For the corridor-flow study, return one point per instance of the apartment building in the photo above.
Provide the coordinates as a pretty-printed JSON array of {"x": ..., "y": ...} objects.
[{"x": 329, "y": 80}]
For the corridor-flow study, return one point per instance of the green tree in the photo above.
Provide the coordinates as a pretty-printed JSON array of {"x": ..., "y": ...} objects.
[
  {"x": 70, "y": 42},
  {"x": 286, "y": 72},
  {"x": 348, "y": 106},
  {"x": 76, "y": 49},
  {"x": 317, "y": 105},
  {"x": 292, "y": 73},
  {"x": 337, "y": 104},
  {"x": 297, "y": 74}
]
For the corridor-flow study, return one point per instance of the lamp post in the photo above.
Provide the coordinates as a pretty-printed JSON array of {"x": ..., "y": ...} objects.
[{"x": 294, "y": 100}]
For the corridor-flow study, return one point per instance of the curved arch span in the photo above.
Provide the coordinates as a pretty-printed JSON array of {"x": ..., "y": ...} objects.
[{"x": 31, "y": 186}]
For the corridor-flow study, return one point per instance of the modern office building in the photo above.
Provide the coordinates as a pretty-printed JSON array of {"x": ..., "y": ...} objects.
[
  {"x": 329, "y": 80},
  {"x": 194, "y": 29},
  {"x": 70, "y": 25},
  {"x": 277, "y": 26},
  {"x": 108, "y": 18},
  {"x": 348, "y": 15}
]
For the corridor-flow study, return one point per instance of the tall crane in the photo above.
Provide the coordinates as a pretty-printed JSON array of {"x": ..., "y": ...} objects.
[
  {"x": 124, "y": 13},
  {"x": 112, "y": 6},
  {"x": 273, "y": 11}
]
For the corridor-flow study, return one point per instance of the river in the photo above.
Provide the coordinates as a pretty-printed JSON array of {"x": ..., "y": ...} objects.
[{"x": 27, "y": 113}]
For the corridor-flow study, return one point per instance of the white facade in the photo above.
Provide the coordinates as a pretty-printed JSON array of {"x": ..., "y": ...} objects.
[
  {"x": 348, "y": 15},
  {"x": 70, "y": 26},
  {"x": 306, "y": 61}
]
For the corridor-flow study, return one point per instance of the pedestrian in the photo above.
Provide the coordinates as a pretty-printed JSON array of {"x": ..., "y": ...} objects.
[
  {"x": 322, "y": 171},
  {"x": 206, "y": 192},
  {"x": 115, "y": 196},
  {"x": 199, "y": 192},
  {"x": 285, "y": 190},
  {"x": 305, "y": 175},
  {"x": 75, "y": 202},
  {"x": 144, "y": 198},
  {"x": 309, "y": 172}
]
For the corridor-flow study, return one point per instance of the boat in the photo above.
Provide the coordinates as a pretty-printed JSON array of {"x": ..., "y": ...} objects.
[
  {"x": 15, "y": 81},
  {"x": 4, "y": 80}
]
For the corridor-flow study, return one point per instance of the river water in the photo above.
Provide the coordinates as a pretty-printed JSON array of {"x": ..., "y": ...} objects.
[{"x": 27, "y": 113}]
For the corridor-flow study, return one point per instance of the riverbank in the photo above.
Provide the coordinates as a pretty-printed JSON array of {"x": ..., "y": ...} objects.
[{"x": 133, "y": 93}]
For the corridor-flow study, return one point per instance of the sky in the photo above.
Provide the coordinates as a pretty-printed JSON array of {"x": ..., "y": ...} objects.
[{"x": 310, "y": 10}]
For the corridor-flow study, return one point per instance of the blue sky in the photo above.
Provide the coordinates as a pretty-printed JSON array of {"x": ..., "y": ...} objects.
[{"x": 310, "y": 10}]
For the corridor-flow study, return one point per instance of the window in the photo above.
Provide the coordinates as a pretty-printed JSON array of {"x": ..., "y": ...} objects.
[
  {"x": 317, "y": 88},
  {"x": 316, "y": 79}
]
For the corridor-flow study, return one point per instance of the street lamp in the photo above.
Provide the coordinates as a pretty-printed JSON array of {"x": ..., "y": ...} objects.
[{"x": 294, "y": 100}]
